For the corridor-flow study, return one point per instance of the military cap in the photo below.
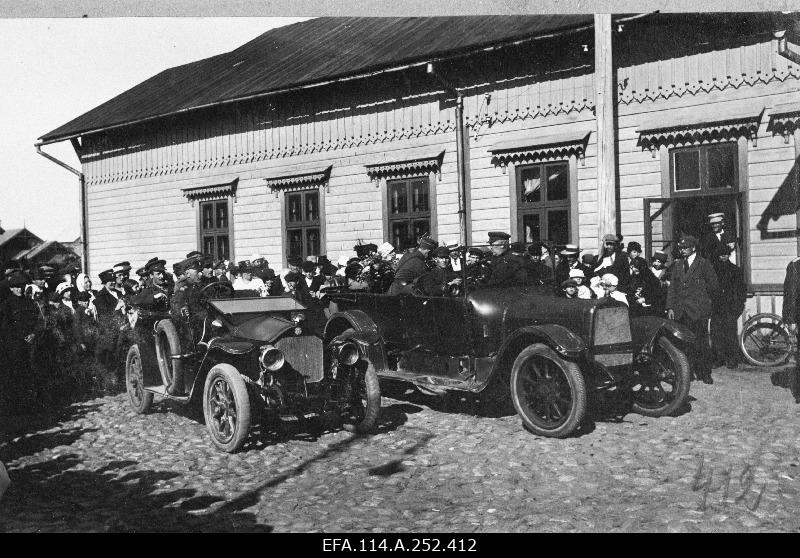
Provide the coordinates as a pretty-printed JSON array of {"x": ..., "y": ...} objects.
[
  {"x": 476, "y": 252},
  {"x": 106, "y": 276},
  {"x": 187, "y": 264},
  {"x": 536, "y": 248},
  {"x": 18, "y": 278},
  {"x": 194, "y": 254},
  {"x": 687, "y": 240},
  {"x": 661, "y": 256},
  {"x": 571, "y": 282},
  {"x": 295, "y": 260},
  {"x": 308, "y": 266},
  {"x": 494, "y": 236},
  {"x": 634, "y": 246},
  {"x": 154, "y": 264},
  {"x": 122, "y": 267},
  {"x": 142, "y": 272},
  {"x": 518, "y": 247},
  {"x": 611, "y": 238},
  {"x": 716, "y": 217},
  {"x": 428, "y": 243},
  {"x": 441, "y": 252}
]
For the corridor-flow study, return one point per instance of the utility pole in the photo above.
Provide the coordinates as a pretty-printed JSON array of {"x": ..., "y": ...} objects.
[{"x": 605, "y": 114}]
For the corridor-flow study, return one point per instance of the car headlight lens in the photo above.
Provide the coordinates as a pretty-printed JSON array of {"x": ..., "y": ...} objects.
[
  {"x": 271, "y": 359},
  {"x": 347, "y": 354}
]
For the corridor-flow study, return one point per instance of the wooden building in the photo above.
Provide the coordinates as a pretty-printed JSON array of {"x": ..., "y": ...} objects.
[{"x": 318, "y": 135}]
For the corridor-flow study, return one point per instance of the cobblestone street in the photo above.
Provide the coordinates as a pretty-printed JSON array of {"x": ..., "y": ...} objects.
[{"x": 728, "y": 464}]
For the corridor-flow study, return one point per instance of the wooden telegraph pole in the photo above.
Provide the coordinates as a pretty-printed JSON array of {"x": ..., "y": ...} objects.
[{"x": 604, "y": 110}]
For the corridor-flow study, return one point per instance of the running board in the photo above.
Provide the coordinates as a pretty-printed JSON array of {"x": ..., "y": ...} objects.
[
  {"x": 432, "y": 381},
  {"x": 162, "y": 391}
]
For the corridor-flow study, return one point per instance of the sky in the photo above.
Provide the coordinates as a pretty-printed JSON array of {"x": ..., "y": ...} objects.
[{"x": 54, "y": 70}]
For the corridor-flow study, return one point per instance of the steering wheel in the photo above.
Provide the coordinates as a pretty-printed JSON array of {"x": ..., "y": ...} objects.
[
  {"x": 219, "y": 289},
  {"x": 454, "y": 290}
]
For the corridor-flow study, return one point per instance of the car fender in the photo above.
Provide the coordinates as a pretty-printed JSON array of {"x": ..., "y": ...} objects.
[
  {"x": 231, "y": 346},
  {"x": 645, "y": 330},
  {"x": 365, "y": 334},
  {"x": 555, "y": 336}
]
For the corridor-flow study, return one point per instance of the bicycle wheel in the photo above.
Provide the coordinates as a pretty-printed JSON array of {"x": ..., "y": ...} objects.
[{"x": 765, "y": 340}]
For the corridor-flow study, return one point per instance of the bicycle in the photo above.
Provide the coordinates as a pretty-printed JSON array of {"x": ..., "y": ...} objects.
[{"x": 766, "y": 340}]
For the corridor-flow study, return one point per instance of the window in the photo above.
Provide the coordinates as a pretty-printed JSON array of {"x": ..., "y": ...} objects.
[
  {"x": 542, "y": 195},
  {"x": 303, "y": 236},
  {"x": 409, "y": 211},
  {"x": 704, "y": 169},
  {"x": 214, "y": 229}
]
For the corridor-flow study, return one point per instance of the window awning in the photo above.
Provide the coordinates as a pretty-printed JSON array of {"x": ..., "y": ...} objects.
[
  {"x": 420, "y": 162},
  {"x": 553, "y": 146},
  {"x": 784, "y": 119},
  {"x": 691, "y": 125},
  {"x": 213, "y": 189},
  {"x": 315, "y": 178}
]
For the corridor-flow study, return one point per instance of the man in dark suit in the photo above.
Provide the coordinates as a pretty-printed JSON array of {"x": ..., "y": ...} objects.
[
  {"x": 438, "y": 280},
  {"x": 307, "y": 287},
  {"x": 689, "y": 301},
  {"x": 613, "y": 260},
  {"x": 504, "y": 269},
  {"x": 412, "y": 265},
  {"x": 791, "y": 315},
  {"x": 728, "y": 306}
]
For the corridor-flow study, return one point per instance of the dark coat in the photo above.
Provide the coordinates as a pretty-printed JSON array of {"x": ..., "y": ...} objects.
[
  {"x": 305, "y": 293},
  {"x": 434, "y": 282},
  {"x": 147, "y": 299},
  {"x": 105, "y": 302},
  {"x": 505, "y": 270},
  {"x": 620, "y": 267},
  {"x": 791, "y": 292},
  {"x": 732, "y": 292},
  {"x": 709, "y": 243},
  {"x": 691, "y": 293}
]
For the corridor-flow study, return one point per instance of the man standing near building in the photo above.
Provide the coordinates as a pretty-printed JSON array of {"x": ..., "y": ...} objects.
[
  {"x": 717, "y": 237},
  {"x": 504, "y": 269},
  {"x": 791, "y": 315},
  {"x": 613, "y": 260},
  {"x": 689, "y": 301},
  {"x": 728, "y": 306},
  {"x": 412, "y": 265}
]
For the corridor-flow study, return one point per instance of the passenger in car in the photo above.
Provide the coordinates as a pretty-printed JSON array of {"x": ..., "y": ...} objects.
[
  {"x": 504, "y": 269},
  {"x": 412, "y": 265},
  {"x": 438, "y": 281},
  {"x": 569, "y": 288},
  {"x": 609, "y": 283}
]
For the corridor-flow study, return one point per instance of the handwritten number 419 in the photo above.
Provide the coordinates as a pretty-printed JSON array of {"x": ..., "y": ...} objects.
[{"x": 751, "y": 499}]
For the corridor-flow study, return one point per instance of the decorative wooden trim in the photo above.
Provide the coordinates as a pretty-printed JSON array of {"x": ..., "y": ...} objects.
[
  {"x": 693, "y": 133},
  {"x": 300, "y": 181},
  {"x": 211, "y": 192},
  {"x": 784, "y": 120},
  {"x": 545, "y": 149},
  {"x": 406, "y": 169}
]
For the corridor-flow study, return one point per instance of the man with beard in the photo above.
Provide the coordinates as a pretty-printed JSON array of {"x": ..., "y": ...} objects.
[
  {"x": 728, "y": 306},
  {"x": 613, "y": 260}
]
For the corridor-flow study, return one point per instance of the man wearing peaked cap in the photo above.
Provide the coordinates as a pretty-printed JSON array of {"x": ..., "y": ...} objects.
[
  {"x": 194, "y": 254},
  {"x": 155, "y": 296},
  {"x": 411, "y": 266},
  {"x": 689, "y": 301},
  {"x": 504, "y": 268},
  {"x": 438, "y": 280},
  {"x": 569, "y": 261}
]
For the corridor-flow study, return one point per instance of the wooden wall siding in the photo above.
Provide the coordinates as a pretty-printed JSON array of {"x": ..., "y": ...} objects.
[
  {"x": 697, "y": 74},
  {"x": 768, "y": 165}
]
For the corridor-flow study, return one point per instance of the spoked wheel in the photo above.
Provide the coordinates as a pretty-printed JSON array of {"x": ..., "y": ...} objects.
[
  {"x": 226, "y": 406},
  {"x": 660, "y": 380},
  {"x": 548, "y": 392},
  {"x": 140, "y": 399},
  {"x": 168, "y": 344},
  {"x": 765, "y": 340},
  {"x": 364, "y": 399}
]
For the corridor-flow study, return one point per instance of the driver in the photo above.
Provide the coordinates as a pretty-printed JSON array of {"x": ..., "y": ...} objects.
[
  {"x": 438, "y": 280},
  {"x": 185, "y": 306}
]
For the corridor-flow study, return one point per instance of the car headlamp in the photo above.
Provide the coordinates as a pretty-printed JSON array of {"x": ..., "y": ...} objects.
[{"x": 271, "y": 358}]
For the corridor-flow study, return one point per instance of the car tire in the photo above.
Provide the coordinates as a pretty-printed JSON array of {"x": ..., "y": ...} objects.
[
  {"x": 548, "y": 392},
  {"x": 650, "y": 401},
  {"x": 168, "y": 343},
  {"x": 141, "y": 400},
  {"x": 366, "y": 388},
  {"x": 226, "y": 407}
]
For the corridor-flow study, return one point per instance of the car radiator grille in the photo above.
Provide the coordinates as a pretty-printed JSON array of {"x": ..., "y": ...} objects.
[
  {"x": 303, "y": 354},
  {"x": 612, "y": 336}
]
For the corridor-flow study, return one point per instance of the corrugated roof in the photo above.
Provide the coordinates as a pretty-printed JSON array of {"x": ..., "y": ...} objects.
[{"x": 308, "y": 53}]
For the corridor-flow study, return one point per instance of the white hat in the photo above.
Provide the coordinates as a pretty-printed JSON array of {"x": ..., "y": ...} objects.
[
  {"x": 576, "y": 273},
  {"x": 62, "y": 287},
  {"x": 385, "y": 249},
  {"x": 716, "y": 217},
  {"x": 610, "y": 279}
]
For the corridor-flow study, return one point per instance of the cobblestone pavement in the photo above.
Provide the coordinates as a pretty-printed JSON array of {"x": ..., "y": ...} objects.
[{"x": 729, "y": 464}]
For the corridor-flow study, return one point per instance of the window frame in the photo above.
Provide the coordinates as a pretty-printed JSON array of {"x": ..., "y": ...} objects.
[
  {"x": 201, "y": 232},
  {"x": 703, "y": 150},
  {"x": 386, "y": 204},
  {"x": 303, "y": 225},
  {"x": 520, "y": 209}
]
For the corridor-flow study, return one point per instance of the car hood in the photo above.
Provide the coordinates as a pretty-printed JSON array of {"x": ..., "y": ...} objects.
[{"x": 257, "y": 319}]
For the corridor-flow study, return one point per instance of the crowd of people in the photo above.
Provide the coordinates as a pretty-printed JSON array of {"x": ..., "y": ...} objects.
[{"x": 50, "y": 322}]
